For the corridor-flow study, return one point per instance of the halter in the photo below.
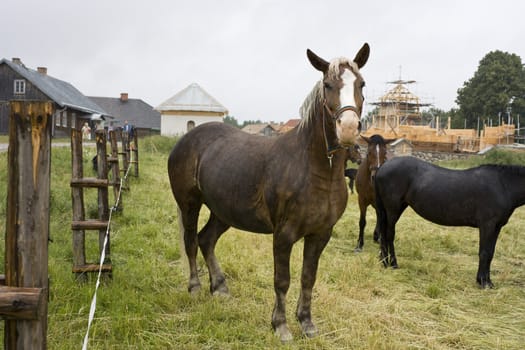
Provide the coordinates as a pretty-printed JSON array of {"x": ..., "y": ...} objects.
[{"x": 330, "y": 150}]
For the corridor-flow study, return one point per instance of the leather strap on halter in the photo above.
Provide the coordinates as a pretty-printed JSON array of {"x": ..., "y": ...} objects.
[
  {"x": 331, "y": 149},
  {"x": 337, "y": 115}
]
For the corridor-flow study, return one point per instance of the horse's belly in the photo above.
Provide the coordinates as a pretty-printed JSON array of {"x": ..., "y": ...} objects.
[{"x": 445, "y": 214}]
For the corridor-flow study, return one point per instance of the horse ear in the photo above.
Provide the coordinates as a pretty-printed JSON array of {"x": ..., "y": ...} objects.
[
  {"x": 367, "y": 139},
  {"x": 387, "y": 141},
  {"x": 362, "y": 56},
  {"x": 316, "y": 61}
]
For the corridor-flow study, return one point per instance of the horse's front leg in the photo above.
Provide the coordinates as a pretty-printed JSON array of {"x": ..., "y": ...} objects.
[
  {"x": 362, "y": 224},
  {"x": 313, "y": 247},
  {"x": 282, "y": 248},
  {"x": 487, "y": 246}
]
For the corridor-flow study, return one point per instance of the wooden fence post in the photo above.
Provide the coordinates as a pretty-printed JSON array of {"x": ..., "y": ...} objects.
[
  {"x": 80, "y": 223},
  {"x": 27, "y": 225},
  {"x": 115, "y": 169},
  {"x": 135, "y": 154}
]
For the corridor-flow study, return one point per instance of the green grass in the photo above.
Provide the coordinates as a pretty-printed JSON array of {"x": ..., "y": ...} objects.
[{"x": 431, "y": 302}]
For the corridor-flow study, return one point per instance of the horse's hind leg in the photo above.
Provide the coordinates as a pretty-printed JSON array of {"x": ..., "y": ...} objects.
[
  {"x": 208, "y": 237},
  {"x": 189, "y": 218},
  {"x": 313, "y": 247}
]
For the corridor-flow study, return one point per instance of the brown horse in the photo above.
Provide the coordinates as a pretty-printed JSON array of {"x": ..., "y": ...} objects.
[
  {"x": 292, "y": 185},
  {"x": 364, "y": 183}
]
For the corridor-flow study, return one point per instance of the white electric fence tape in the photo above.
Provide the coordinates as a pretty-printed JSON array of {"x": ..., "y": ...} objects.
[{"x": 102, "y": 257}]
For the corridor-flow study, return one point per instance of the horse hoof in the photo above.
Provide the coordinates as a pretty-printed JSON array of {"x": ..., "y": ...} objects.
[
  {"x": 395, "y": 267},
  {"x": 486, "y": 285},
  {"x": 283, "y": 333},
  {"x": 310, "y": 330},
  {"x": 221, "y": 291},
  {"x": 221, "y": 294},
  {"x": 194, "y": 289},
  {"x": 358, "y": 249}
]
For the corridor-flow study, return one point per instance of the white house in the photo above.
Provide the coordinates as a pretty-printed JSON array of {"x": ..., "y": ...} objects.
[{"x": 188, "y": 108}]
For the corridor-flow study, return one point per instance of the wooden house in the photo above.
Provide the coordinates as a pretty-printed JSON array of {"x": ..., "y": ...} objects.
[
  {"x": 72, "y": 108},
  {"x": 187, "y": 109}
]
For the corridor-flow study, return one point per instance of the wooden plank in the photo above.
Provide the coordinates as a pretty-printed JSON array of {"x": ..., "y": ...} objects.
[
  {"x": 21, "y": 303},
  {"x": 89, "y": 182},
  {"x": 89, "y": 225},
  {"x": 92, "y": 268}
]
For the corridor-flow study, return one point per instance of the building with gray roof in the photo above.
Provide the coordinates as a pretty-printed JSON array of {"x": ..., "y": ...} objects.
[{"x": 72, "y": 108}]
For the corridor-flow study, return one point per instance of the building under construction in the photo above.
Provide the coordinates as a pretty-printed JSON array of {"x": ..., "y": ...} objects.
[{"x": 399, "y": 115}]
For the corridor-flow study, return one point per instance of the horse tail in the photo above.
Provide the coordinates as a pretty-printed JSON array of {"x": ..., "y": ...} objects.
[{"x": 184, "y": 261}]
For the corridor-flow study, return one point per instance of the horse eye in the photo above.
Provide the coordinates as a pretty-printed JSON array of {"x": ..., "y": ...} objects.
[
  {"x": 327, "y": 86},
  {"x": 362, "y": 84}
]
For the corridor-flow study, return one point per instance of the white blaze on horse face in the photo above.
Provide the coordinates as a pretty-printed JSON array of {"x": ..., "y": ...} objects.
[
  {"x": 347, "y": 127},
  {"x": 378, "y": 155}
]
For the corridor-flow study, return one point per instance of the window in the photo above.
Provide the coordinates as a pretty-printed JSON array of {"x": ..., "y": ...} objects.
[{"x": 20, "y": 86}]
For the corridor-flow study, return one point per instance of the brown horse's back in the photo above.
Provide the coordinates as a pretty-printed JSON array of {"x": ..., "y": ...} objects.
[{"x": 231, "y": 182}]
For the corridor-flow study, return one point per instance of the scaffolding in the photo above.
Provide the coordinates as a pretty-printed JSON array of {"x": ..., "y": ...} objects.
[{"x": 397, "y": 107}]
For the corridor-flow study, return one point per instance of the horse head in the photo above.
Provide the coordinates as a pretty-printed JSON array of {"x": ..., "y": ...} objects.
[
  {"x": 343, "y": 95},
  {"x": 376, "y": 152}
]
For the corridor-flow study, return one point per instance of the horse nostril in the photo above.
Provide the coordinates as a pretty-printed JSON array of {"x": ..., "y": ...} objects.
[{"x": 359, "y": 126}]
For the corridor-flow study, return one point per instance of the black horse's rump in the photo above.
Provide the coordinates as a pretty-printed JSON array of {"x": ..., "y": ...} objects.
[
  {"x": 350, "y": 174},
  {"x": 484, "y": 197}
]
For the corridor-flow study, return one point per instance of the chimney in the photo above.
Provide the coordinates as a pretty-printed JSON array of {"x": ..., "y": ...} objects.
[
  {"x": 16, "y": 60},
  {"x": 123, "y": 96},
  {"x": 42, "y": 70}
]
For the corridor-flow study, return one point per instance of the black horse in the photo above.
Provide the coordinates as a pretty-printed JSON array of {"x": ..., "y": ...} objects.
[
  {"x": 353, "y": 155},
  {"x": 292, "y": 185},
  {"x": 484, "y": 197}
]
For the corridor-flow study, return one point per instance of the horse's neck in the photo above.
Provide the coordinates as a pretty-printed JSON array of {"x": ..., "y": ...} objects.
[
  {"x": 514, "y": 181},
  {"x": 312, "y": 136}
]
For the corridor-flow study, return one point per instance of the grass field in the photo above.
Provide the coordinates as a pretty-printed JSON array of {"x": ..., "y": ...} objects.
[{"x": 431, "y": 302}]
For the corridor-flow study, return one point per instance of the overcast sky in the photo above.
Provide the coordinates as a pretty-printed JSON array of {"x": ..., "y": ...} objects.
[{"x": 251, "y": 55}]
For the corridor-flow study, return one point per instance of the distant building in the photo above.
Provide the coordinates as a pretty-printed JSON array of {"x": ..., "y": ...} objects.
[
  {"x": 138, "y": 113},
  {"x": 72, "y": 108},
  {"x": 187, "y": 109},
  {"x": 260, "y": 129},
  {"x": 289, "y": 125}
]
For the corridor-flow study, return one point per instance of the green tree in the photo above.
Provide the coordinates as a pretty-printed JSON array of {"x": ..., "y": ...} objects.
[
  {"x": 231, "y": 120},
  {"x": 498, "y": 83}
]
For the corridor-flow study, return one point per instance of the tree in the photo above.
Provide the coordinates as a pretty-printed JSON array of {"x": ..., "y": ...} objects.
[
  {"x": 231, "y": 120},
  {"x": 498, "y": 83}
]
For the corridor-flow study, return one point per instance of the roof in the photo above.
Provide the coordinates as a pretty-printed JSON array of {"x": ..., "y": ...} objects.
[
  {"x": 135, "y": 111},
  {"x": 192, "y": 98},
  {"x": 257, "y": 128},
  {"x": 61, "y": 92},
  {"x": 289, "y": 125}
]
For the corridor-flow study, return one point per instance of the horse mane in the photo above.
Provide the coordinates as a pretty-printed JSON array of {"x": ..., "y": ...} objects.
[
  {"x": 314, "y": 99},
  {"x": 506, "y": 168}
]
